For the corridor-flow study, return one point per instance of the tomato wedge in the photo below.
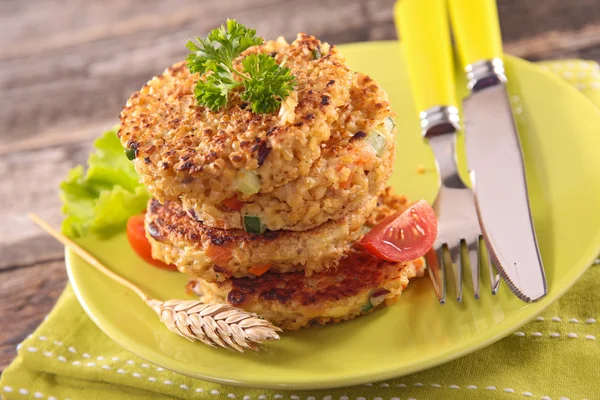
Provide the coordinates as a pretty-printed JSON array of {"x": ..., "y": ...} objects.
[
  {"x": 136, "y": 234},
  {"x": 403, "y": 236}
]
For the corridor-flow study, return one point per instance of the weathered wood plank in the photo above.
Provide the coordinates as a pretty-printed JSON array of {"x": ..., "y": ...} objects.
[
  {"x": 28, "y": 295},
  {"x": 521, "y": 19},
  {"x": 61, "y": 77},
  {"x": 29, "y": 183},
  {"x": 62, "y": 24},
  {"x": 88, "y": 78},
  {"x": 557, "y": 44}
]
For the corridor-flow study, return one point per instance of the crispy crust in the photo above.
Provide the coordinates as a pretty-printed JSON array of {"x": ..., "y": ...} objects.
[
  {"x": 293, "y": 301},
  {"x": 339, "y": 183},
  {"x": 185, "y": 150},
  {"x": 192, "y": 246}
]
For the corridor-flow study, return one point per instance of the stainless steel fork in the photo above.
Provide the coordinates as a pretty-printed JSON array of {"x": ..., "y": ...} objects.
[
  {"x": 455, "y": 208},
  {"x": 424, "y": 31}
]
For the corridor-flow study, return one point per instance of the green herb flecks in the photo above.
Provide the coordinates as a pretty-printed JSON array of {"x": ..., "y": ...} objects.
[{"x": 265, "y": 82}]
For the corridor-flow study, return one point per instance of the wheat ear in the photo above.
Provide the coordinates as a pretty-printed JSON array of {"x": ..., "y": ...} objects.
[{"x": 212, "y": 324}]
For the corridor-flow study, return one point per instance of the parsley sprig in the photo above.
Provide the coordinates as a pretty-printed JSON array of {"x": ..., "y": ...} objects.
[{"x": 265, "y": 82}]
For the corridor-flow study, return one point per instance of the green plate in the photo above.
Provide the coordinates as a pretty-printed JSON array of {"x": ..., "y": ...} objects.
[{"x": 559, "y": 132}]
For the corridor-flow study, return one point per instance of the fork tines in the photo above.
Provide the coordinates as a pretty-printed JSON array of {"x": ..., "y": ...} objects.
[{"x": 445, "y": 261}]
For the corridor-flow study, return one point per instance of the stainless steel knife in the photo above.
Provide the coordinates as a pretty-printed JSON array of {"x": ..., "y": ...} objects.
[{"x": 494, "y": 154}]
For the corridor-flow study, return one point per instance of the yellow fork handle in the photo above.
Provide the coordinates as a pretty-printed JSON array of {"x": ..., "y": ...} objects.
[
  {"x": 425, "y": 36},
  {"x": 476, "y": 30}
]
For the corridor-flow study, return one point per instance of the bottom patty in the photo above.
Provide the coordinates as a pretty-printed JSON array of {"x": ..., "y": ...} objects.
[{"x": 360, "y": 284}]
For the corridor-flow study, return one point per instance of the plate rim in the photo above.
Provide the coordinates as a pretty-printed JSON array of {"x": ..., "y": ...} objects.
[{"x": 507, "y": 325}]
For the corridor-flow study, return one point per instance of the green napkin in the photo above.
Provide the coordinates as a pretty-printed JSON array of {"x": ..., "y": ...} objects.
[{"x": 554, "y": 357}]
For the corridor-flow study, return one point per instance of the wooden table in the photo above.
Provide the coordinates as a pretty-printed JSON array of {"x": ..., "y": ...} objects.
[{"x": 67, "y": 68}]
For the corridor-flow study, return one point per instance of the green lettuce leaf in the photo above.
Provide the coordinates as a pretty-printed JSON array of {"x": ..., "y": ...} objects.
[{"x": 101, "y": 200}]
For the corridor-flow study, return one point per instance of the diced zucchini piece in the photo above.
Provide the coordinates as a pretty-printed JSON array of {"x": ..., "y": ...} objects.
[
  {"x": 367, "y": 307},
  {"x": 389, "y": 124},
  {"x": 316, "y": 53},
  {"x": 248, "y": 182},
  {"x": 377, "y": 141},
  {"x": 376, "y": 297},
  {"x": 252, "y": 224}
]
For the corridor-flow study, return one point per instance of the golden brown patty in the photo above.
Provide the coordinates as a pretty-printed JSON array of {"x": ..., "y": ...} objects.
[
  {"x": 215, "y": 254},
  {"x": 186, "y": 151},
  {"x": 360, "y": 284},
  {"x": 338, "y": 183}
]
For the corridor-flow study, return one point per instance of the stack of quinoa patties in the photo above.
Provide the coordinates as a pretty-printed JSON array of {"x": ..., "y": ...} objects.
[{"x": 264, "y": 210}]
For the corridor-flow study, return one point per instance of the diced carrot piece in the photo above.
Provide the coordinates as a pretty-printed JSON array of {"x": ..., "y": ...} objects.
[
  {"x": 364, "y": 154},
  {"x": 259, "y": 270},
  {"x": 219, "y": 254},
  {"x": 233, "y": 203}
]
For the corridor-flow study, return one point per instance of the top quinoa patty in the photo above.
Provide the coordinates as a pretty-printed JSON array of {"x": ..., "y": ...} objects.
[{"x": 182, "y": 148}]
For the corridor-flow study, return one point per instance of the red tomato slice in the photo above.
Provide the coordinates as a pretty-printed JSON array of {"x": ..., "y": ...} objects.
[
  {"x": 403, "y": 236},
  {"x": 136, "y": 234}
]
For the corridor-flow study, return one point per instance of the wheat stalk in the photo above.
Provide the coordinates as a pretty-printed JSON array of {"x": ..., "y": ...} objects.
[
  {"x": 212, "y": 324},
  {"x": 215, "y": 324}
]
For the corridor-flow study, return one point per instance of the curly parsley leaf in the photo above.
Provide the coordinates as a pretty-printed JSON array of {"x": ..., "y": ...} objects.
[
  {"x": 264, "y": 81},
  {"x": 269, "y": 83},
  {"x": 214, "y": 91},
  {"x": 221, "y": 47}
]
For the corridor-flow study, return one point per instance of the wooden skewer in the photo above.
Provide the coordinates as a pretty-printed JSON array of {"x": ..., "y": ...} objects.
[{"x": 87, "y": 256}]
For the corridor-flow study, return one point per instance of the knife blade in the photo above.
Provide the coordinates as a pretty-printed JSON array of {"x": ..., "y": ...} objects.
[
  {"x": 494, "y": 154},
  {"x": 498, "y": 177}
]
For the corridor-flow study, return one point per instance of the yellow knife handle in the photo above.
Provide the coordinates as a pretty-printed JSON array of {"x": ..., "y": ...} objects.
[
  {"x": 476, "y": 30},
  {"x": 424, "y": 32}
]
